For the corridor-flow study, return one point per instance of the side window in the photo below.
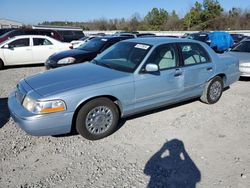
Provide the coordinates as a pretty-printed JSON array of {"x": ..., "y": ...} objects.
[
  {"x": 20, "y": 43},
  {"x": 164, "y": 56},
  {"x": 41, "y": 42},
  {"x": 194, "y": 54}
]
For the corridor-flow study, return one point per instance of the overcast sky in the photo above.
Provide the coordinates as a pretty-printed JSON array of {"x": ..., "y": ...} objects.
[{"x": 35, "y": 11}]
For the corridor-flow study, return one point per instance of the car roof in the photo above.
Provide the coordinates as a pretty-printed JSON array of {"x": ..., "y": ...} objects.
[
  {"x": 36, "y": 36},
  {"x": 159, "y": 40}
]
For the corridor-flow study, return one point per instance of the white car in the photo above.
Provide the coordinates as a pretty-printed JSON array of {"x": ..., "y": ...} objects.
[
  {"x": 29, "y": 49},
  {"x": 77, "y": 43}
]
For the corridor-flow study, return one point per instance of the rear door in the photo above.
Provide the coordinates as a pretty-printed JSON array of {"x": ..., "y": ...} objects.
[
  {"x": 42, "y": 49},
  {"x": 197, "y": 68},
  {"x": 19, "y": 52}
]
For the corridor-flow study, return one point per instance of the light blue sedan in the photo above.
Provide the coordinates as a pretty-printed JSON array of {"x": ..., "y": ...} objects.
[{"x": 130, "y": 77}]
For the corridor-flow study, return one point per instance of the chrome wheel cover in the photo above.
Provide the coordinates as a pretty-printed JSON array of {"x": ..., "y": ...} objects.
[
  {"x": 215, "y": 91},
  {"x": 99, "y": 119}
]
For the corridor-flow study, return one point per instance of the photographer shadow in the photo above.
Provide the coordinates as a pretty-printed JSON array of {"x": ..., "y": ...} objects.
[
  {"x": 4, "y": 112},
  {"x": 171, "y": 167}
]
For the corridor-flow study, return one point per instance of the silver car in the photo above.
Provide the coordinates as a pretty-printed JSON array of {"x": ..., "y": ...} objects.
[
  {"x": 242, "y": 52},
  {"x": 131, "y": 76}
]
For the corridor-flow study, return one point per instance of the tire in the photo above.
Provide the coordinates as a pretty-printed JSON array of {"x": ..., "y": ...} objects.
[
  {"x": 212, "y": 91},
  {"x": 1, "y": 65},
  {"x": 97, "y": 119}
]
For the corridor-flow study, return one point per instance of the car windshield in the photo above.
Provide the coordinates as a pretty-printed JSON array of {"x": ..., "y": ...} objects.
[
  {"x": 93, "y": 45},
  {"x": 242, "y": 47},
  {"x": 123, "y": 56}
]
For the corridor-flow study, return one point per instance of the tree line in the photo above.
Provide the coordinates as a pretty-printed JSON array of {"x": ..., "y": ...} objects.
[{"x": 208, "y": 15}]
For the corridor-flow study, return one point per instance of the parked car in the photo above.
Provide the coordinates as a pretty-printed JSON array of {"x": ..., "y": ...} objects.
[
  {"x": 200, "y": 36},
  {"x": 29, "y": 49},
  {"x": 237, "y": 37},
  {"x": 131, "y": 76},
  {"x": 78, "y": 43},
  {"x": 17, "y": 32},
  {"x": 242, "y": 52},
  {"x": 5, "y": 30},
  {"x": 69, "y": 35},
  {"x": 85, "y": 52},
  {"x": 133, "y": 34},
  {"x": 219, "y": 41}
]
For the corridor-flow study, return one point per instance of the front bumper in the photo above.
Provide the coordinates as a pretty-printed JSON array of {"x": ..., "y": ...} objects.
[{"x": 39, "y": 125}]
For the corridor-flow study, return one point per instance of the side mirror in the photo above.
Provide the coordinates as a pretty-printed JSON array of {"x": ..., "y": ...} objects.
[
  {"x": 6, "y": 46},
  {"x": 152, "y": 68}
]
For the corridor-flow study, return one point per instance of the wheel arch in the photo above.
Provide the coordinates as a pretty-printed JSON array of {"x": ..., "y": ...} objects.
[
  {"x": 223, "y": 77},
  {"x": 1, "y": 61},
  {"x": 112, "y": 98}
]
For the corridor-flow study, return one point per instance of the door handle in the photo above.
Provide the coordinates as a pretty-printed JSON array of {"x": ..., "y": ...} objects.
[
  {"x": 178, "y": 74},
  {"x": 209, "y": 68},
  {"x": 28, "y": 49}
]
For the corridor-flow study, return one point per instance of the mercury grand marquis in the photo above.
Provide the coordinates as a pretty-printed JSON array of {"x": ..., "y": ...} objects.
[{"x": 131, "y": 76}]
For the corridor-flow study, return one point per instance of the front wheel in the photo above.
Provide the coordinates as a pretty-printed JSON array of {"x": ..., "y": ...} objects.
[
  {"x": 97, "y": 119},
  {"x": 213, "y": 91},
  {"x": 1, "y": 64}
]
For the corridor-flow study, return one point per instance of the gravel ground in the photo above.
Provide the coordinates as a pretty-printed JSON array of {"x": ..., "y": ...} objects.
[{"x": 186, "y": 145}]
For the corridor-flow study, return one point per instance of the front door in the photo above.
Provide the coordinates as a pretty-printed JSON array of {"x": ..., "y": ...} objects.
[
  {"x": 19, "y": 52},
  {"x": 163, "y": 86}
]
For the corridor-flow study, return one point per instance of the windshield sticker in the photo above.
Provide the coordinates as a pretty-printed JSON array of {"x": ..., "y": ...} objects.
[
  {"x": 104, "y": 40},
  {"x": 142, "y": 46}
]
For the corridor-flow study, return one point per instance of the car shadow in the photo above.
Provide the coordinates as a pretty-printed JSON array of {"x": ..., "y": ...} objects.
[
  {"x": 4, "y": 112},
  {"x": 245, "y": 79},
  {"x": 171, "y": 166}
]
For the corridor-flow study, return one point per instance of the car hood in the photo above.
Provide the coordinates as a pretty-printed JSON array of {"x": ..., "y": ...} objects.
[
  {"x": 70, "y": 53},
  {"x": 243, "y": 57},
  {"x": 75, "y": 77}
]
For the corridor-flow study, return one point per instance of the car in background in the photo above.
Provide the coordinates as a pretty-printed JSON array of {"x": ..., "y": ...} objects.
[
  {"x": 242, "y": 52},
  {"x": 130, "y": 77},
  {"x": 29, "y": 49},
  {"x": 5, "y": 30},
  {"x": 237, "y": 37},
  {"x": 134, "y": 34},
  {"x": 78, "y": 43},
  {"x": 85, "y": 52},
  {"x": 69, "y": 35},
  {"x": 200, "y": 36},
  {"x": 219, "y": 41},
  {"x": 17, "y": 32}
]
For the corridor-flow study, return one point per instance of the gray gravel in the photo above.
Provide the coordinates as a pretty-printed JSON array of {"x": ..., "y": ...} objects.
[{"x": 188, "y": 145}]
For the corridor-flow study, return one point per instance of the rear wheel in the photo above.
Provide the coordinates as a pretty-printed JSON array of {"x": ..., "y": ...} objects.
[
  {"x": 1, "y": 64},
  {"x": 97, "y": 119},
  {"x": 213, "y": 91}
]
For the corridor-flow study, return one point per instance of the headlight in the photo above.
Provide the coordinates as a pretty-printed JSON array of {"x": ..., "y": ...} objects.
[
  {"x": 43, "y": 107},
  {"x": 66, "y": 60}
]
